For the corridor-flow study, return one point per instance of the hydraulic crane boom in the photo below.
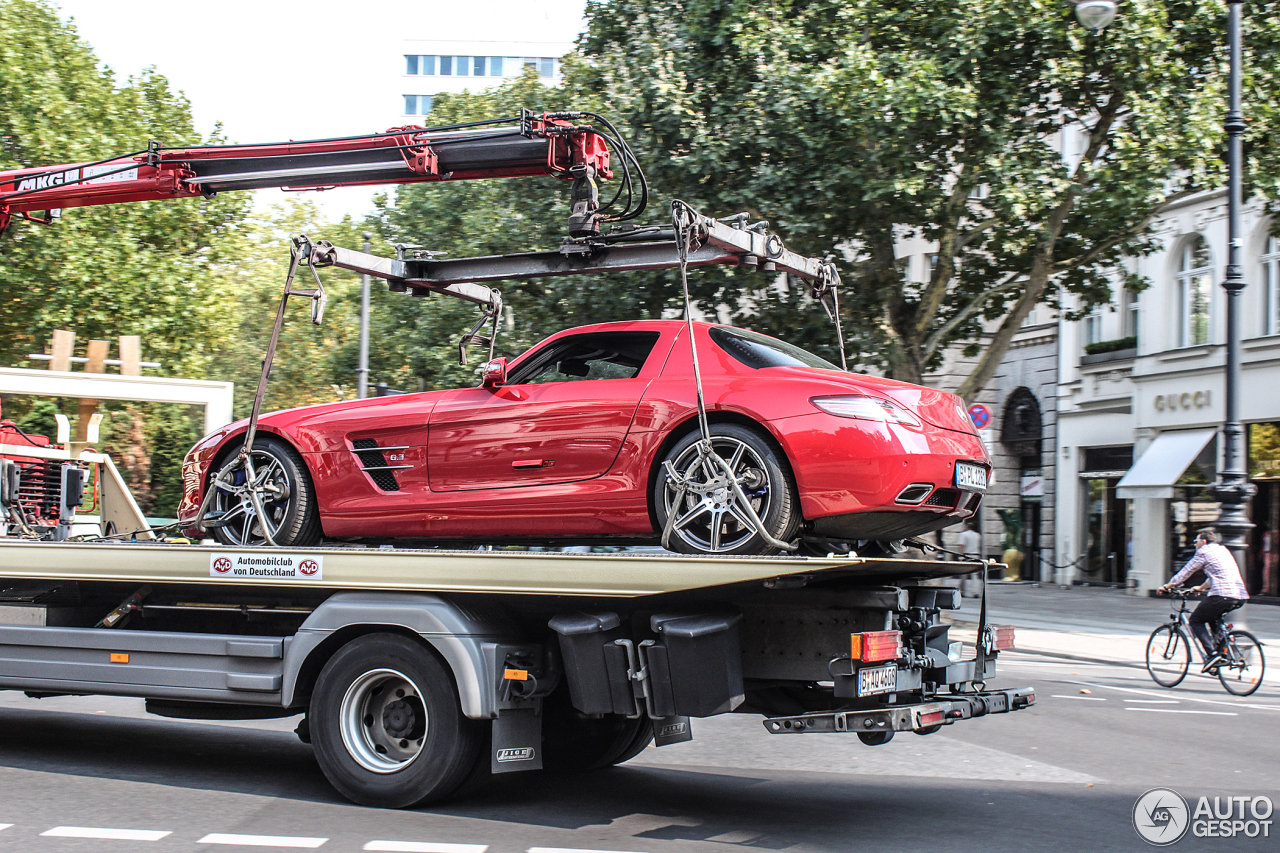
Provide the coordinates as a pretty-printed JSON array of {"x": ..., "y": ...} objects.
[{"x": 521, "y": 146}]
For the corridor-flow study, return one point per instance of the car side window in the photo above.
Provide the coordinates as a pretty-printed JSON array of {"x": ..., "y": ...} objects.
[{"x": 599, "y": 355}]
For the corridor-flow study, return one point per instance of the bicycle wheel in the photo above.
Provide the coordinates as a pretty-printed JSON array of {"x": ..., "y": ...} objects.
[
  {"x": 1168, "y": 656},
  {"x": 1241, "y": 675}
]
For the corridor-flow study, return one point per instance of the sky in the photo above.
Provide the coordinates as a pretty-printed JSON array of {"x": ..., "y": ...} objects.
[{"x": 273, "y": 70}]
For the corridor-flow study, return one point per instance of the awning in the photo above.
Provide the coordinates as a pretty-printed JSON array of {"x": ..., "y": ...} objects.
[{"x": 1162, "y": 463}]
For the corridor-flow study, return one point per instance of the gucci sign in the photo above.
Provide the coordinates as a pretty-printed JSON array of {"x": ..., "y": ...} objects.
[{"x": 1185, "y": 400}]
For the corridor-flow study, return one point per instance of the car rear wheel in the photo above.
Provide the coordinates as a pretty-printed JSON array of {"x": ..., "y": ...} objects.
[
  {"x": 284, "y": 490},
  {"x": 708, "y": 519}
]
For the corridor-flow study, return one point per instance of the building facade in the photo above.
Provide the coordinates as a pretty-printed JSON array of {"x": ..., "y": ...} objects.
[
  {"x": 442, "y": 65},
  {"x": 1140, "y": 406}
]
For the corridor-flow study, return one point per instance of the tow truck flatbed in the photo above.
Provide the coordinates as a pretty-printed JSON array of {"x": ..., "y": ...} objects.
[{"x": 621, "y": 574}]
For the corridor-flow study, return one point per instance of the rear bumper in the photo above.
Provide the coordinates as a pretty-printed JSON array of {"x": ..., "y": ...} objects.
[{"x": 908, "y": 718}]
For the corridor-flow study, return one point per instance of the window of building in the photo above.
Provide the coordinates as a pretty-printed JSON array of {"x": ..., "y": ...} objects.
[
  {"x": 417, "y": 105},
  {"x": 1093, "y": 328},
  {"x": 477, "y": 66},
  {"x": 1129, "y": 314},
  {"x": 1271, "y": 286},
  {"x": 1194, "y": 285}
]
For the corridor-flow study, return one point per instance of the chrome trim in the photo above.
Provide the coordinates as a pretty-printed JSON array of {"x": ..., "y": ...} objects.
[
  {"x": 307, "y": 172},
  {"x": 385, "y": 467},
  {"x": 375, "y": 447},
  {"x": 928, "y": 488}
]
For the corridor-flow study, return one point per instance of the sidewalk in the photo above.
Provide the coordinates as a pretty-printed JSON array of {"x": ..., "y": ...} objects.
[{"x": 1089, "y": 623}]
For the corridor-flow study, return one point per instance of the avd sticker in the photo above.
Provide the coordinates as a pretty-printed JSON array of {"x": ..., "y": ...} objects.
[{"x": 266, "y": 565}]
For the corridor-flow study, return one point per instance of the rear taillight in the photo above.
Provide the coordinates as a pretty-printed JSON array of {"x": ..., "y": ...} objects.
[
  {"x": 931, "y": 718},
  {"x": 865, "y": 408},
  {"x": 872, "y": 646}
]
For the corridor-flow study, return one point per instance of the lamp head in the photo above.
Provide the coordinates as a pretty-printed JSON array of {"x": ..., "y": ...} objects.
[{"x": 1095, "y": 15}]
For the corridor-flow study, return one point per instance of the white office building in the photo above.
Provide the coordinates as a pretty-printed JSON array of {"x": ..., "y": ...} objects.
[{"x": 430, "y": 67}]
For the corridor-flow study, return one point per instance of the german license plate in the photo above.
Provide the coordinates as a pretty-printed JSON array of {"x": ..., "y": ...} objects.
[
  {"x": 877, "y": 679},
  {"x": 971, "y": 478}
]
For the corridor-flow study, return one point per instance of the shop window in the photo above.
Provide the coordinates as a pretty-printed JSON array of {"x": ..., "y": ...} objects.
[{"x": 1194, "y": 286}]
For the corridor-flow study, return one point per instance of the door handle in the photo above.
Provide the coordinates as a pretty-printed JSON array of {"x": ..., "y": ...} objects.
[{"x": 531, "y": 463}]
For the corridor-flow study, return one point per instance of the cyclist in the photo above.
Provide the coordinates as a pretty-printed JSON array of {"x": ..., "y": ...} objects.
[{"x": 1225, "y": 586}]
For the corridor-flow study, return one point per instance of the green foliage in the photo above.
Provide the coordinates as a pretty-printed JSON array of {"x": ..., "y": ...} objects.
[
  {"x": 103, "y": 271},
  {"x": 170, "y": 432},
  {"x": 1111, "y": 346},
  {"x": 40, "y": 419},
  {"x": 851, "y": 124}
]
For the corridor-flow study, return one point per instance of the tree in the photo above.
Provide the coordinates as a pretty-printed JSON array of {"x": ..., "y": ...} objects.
[
  {"x": 105, "y": 271},
  {"x": 851, "y": 124}
]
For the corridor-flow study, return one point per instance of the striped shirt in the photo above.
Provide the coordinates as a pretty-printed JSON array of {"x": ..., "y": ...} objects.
[{"x": 1221, "y": 569}]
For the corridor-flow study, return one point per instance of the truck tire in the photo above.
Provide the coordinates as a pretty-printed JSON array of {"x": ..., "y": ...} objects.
[
  {"x": 707, "y": 524},
  {"x": 574, "y": 743},
  {"x": 386, "y": 724},
  {"x": 291, "y": 510}
]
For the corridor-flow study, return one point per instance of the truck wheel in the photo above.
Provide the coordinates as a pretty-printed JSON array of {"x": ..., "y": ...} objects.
[
  {"x": 573, "y": 743},
  {"x": 386, "y": 724},
  {"x": 287, "y": 496},
  {"x": 707, "y": 521},
  {"x": 875, "y": 738}
]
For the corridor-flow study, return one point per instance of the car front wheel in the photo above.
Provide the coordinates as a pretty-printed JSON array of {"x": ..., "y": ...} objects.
[
  {"x": 708, "y": 518},
  {"x": 284, "y": 492}
]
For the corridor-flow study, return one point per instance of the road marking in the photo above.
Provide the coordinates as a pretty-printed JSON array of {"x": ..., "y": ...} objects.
[
  {"x": 1182, "y": 711},
  {"x": 1235, "y": 704},
  {"x": 424, "y": 847},
  {"x": 1085, "y": 698},
  {"x": 4, "y": 826},
  {"x": 1154, "y": 701},
  {"x": 262, "y": 840},
  {"x": 569, "y": 850},
  {"x": 113, "y": 834}
]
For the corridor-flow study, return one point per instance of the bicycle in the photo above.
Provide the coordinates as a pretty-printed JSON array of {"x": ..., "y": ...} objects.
[{"x": 1169, "y": 652}]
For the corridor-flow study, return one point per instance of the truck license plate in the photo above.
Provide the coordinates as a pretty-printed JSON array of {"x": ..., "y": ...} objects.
[
  {"x": 877, "y": 679},
  {"x": 971, "y": 478}
]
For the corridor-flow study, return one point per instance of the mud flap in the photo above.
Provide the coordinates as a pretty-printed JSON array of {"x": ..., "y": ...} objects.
[{"x": 517, "y": 741}]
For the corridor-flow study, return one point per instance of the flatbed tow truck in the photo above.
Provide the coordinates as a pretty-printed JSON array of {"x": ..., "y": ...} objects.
[{"x": 422, "y": 671}]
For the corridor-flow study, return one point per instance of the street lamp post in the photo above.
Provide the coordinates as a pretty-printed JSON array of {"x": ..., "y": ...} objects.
[
  {"x": 1233, "y": 489},
  {"x": 362, "y": 363}
]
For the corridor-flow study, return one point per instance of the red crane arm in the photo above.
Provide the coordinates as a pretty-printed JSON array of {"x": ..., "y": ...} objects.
[{"x": 527, "y": 146}]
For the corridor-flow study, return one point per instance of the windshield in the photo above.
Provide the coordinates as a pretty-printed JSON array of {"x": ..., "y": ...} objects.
[{"x": 756, "y": 350}]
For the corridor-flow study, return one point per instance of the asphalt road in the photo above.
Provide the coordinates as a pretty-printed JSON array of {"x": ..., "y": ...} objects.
[{"x": 1062, "y": 775}]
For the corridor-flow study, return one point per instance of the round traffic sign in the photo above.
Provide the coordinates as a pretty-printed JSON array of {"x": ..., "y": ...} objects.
[{"x": 980, "y": 415}]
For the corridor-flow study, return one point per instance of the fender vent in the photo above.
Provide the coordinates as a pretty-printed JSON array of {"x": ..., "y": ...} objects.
[
  {"x": 943, "y": 497},
  {"x": 374, "y": 458}
]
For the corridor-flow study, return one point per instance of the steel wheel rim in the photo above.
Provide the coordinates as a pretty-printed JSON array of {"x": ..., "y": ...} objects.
[
  {"x": 240, "y": 519},
  {"x": 708, "y": 518},
  {"x": 1242, "y": 674},
  {"x": 383, "y": 721},
  {"x": 1168, "y": 656}
]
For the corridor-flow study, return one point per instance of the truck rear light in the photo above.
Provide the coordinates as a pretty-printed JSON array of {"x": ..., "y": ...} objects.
[
  {"x": 932, "y": 718},
  {"x": 1004, "y": 637},
  {"x": 872, "y": 646}
]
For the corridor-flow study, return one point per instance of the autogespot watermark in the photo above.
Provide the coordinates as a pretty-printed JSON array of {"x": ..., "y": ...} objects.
[{"x": 1162, "y": 817}]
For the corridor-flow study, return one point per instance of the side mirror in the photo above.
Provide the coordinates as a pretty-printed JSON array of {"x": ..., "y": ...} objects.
[{"x": 495, "y": 374}]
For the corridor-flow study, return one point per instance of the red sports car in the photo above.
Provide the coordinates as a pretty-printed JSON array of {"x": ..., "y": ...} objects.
[{"x": 569, "y": 443}]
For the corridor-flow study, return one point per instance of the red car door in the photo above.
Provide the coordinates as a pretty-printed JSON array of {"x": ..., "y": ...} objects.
[{"x": 562, "y": 416}]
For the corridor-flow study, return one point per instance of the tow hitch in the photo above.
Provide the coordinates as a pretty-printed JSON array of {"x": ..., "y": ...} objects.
[{"x": 925, "y": 717}]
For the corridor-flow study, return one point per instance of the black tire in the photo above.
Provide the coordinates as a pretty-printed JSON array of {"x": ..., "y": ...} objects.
[
  {"x": 708, "y": 524},
  {"x": 879, "y": 738},
  {"x": 575, "y": 743},
  {"x": 386, "y": 724},
  {"x": 289, "y": 499},
  {"x": 1168, "y": 656},
  {"x": 1242, "y": 674}
]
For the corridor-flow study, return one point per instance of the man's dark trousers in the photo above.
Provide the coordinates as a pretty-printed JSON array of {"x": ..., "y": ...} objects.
[{"x": 1210, "y": 610}]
